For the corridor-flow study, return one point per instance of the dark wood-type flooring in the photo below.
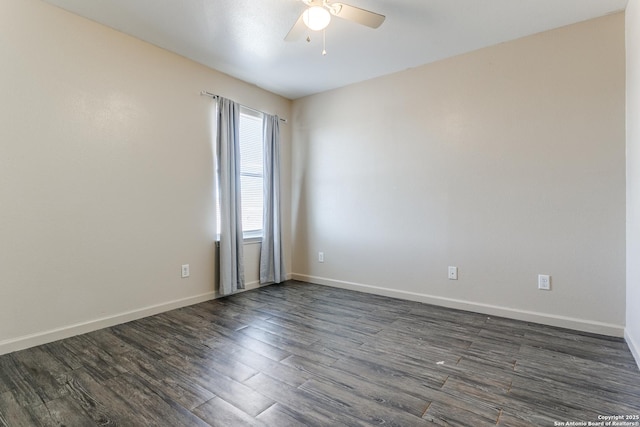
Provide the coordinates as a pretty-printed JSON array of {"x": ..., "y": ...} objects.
[{"x": 300, "y": 354}]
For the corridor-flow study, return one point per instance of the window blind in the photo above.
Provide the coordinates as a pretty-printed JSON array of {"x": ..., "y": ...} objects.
[{"x": 251, "y": 171}]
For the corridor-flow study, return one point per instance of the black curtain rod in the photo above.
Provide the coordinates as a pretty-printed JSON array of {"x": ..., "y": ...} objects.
[{"x": 214, "y": 96}]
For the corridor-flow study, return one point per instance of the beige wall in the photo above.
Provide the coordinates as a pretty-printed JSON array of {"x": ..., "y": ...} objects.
[
  {"x": 507, "y": 162},
  {"x": 633, "y": 176},
  {"x": 105, "y": 175}
]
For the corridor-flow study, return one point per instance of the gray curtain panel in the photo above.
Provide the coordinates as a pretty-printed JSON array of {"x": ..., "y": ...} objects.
[
  {"x": 272, "y": 269},
  {"x": 228, "y": 155}
]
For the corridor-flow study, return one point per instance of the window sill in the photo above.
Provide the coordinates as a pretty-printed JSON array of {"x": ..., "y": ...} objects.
[
  {"x": 252, "y": 240},
  {"x": 245, "y": 241}
]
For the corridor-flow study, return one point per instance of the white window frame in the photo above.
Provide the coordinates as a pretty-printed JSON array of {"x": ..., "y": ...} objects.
[
  {"x": 254, "y": 235},
  {"x": 248, "y": 114}
]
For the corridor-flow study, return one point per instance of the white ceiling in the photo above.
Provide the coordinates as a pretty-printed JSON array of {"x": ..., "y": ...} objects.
[{"x": 244, "y": 38}]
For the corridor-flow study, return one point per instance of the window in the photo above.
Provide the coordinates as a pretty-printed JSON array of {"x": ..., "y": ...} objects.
[{"x": 251, "y": 174}]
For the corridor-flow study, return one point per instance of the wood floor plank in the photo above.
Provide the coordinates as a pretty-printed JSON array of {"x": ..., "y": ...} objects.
[
  {"x": 494, "y": 347},
  {"x": 527, "y": 419},
  {"x": 206, "y": 375},
  {"x": 42, "y": 370},
  {"x": 587, "y": 373},
  {"x": 149, "y": 406},
  {"x": 428, "y": 326},
  {"x": 108, "y": 342},
  {"x": 203, "y": 355},
  {"x": 141, "y": 341},
  {"x": 312, "y": 411},
  {"x": 61, "y": 352},
  {"x": 283, "y": 372},
  {"x": 289, "y": 346},
  {"x": 363, "y": 303},
  {"x": 358, "y": 407},
  {"x": 8, "y": 373},
  {"x": 99, "y": 402},
  {"x": 482, "y": 373},
  {"x": 452, "y": 414},
  {"x": 522, "y": 400},
  {"x": 94, "y": 358},
  {"x": 218, "y": 413},
  {"x": 600, "y": 353},
  {"x": 393, "y": 365},
  {"x": 165, "y": 380},
  {"x": 167, "y": 327},
  {"x": 476, "y": 397},
  {"x": 311, "y": 323},
  {"x": 13, "y": 414},
  {"x": 228, "y": 322},
  {"x": 384, "y": 396},
  {"x": 229, "y": 311},
  {"x": 383, "y": 374},
  {"x": 65, "y": 412},
  {"x": 573, "y": 396},
  {"x": 427, "y": 312},
  {"x": 290, "y": 333},
  {"x": 278, "y": 415},
  {"x": 419, "y": 349},
  {"x": 243, "y": 340}
]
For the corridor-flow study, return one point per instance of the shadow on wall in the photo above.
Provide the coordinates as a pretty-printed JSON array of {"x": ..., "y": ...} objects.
[
  {"x": 300, "y": 233},
  {"x": 300, "y": 209}
]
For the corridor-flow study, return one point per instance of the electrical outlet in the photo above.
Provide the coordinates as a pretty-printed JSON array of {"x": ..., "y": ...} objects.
[
  {"x": 453, "y": 273},
  {"x": 320, "y": 256},
  {"x": 544, "y": 282},
  {"x": 185, "y": 270}
]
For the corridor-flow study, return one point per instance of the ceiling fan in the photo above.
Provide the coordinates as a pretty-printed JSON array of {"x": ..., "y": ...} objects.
[{"x": 317, "y": 17}]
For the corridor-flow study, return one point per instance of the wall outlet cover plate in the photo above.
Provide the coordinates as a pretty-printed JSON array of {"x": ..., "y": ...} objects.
[{"x": 544, "y": 282}]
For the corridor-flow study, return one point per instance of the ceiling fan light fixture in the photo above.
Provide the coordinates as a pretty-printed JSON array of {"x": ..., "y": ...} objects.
[{"x": 316, "y": 18}]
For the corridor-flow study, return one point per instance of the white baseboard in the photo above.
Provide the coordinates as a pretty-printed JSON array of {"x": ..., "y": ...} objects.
[
  {"x": 27, "y": 341},
  {"x": 493, "y": 310},
  {"x": 32, "y": 340},
  {"x": 633, "y": 346}
]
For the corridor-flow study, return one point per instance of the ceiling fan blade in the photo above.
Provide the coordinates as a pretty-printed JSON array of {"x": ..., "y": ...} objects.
[
  {"x": 355, "y": 14},
  {"x": 297, "y": 31}
]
